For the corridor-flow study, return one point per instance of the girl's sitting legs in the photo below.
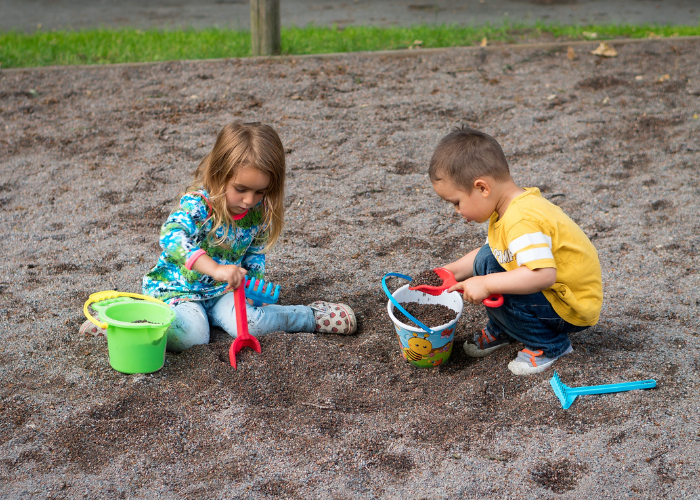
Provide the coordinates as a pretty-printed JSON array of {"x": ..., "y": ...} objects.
[
  {"x": 319, "y": 317},
  {"x": 261, "y": 320},
  {"x": 192, "y": 320}
]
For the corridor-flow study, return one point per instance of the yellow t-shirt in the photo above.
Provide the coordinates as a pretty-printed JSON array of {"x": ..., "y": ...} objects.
[{"x": 536, "y": 233}]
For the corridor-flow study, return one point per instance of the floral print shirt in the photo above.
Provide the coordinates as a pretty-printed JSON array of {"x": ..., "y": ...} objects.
[{"x": 184, "y": 235}]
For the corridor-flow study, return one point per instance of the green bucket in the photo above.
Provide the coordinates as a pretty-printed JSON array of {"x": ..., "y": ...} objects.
[{"x": 136, "y": 331}]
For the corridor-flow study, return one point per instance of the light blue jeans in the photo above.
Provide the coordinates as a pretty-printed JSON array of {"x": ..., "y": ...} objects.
[{"x": 193, "y": 319}]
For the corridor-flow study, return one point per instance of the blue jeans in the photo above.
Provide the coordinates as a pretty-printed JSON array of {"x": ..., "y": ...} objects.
[
  {"x": 529, "y": 319},
  {"x": 192, "y": 319}
]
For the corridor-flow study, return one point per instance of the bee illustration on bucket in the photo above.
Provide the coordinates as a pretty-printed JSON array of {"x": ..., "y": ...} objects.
[
  {"x": 418, "y": 347},
  {"x": 421, "y": 350}
]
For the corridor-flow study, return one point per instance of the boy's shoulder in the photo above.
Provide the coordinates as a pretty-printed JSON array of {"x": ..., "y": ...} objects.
[
  {"x": 531, "y": 203},
  {"x": 530, "y": 206}
]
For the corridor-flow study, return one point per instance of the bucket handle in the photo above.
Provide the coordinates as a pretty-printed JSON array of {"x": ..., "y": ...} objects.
[
  {"x": 111, "y": 294},
  {"x": 399, "y": 306}
]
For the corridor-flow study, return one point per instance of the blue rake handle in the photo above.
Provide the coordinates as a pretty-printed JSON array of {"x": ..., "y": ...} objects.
[
  {"x": 608, "y": 388},
  {"x": 399, "y": 306}
]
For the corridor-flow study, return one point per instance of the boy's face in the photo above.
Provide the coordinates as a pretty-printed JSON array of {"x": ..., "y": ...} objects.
[{"x": 474, "y": 206}]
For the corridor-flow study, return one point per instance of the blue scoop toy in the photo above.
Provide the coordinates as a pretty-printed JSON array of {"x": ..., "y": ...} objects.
[
  {"x": 567, "y": 394},
  {"x": 261, "y": 292}
]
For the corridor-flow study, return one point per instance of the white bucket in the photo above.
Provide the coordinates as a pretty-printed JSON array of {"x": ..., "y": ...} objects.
[{"x": 422, "y": 348}]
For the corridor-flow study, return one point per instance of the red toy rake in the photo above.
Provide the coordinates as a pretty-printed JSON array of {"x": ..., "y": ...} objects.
[{"x": 243, "y": 338}]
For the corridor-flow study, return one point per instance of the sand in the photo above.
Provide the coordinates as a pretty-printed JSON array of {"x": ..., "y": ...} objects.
[{"x": 92, "y": 159}]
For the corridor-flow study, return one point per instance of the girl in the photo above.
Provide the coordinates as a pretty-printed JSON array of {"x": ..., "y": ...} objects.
[{"x": 228, "y": 219}]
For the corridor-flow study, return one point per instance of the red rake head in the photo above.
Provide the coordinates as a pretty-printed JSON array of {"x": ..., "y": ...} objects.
[{"x": 239, "y": 343}]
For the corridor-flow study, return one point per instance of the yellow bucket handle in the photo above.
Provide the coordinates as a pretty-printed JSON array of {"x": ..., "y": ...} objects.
[{"x": 112, "y": 294}]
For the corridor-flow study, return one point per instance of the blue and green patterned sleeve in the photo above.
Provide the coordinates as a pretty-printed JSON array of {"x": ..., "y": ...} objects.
[{"x": 179, "y": 235}]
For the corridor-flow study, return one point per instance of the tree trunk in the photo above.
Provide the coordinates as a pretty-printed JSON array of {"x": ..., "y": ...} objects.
[{"x": 265, "y": 27}]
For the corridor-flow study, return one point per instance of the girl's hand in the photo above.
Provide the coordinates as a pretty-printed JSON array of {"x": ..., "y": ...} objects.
[
  {"x": 473, "y": 289},
  {"x": 231, "y": 274}
]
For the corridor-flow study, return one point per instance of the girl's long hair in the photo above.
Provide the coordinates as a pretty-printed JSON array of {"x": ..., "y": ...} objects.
[{"x": 237, "y": 146}]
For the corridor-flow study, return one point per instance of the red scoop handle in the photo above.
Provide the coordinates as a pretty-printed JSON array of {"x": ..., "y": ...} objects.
[{"x": 495, "y": 300}]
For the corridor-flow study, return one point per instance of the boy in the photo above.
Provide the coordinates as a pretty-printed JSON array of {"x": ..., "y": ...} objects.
[{"x": 535, "y": 256}]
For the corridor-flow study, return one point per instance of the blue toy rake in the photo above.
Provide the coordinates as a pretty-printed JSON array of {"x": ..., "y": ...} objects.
[
  {"x": 567, "y": 394},
  {"x": 261, "y": 292}
]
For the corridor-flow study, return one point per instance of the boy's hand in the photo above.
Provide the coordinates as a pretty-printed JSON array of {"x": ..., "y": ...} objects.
[
  {"x": 520, "y": 281},
  {"x": 234, "y": 275},
  {"x": 473, "y": 289}
]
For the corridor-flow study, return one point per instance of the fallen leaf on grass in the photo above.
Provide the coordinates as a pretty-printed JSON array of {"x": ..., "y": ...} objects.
[
  {"x": 590, "y": 35},
  {"x": 604, "y": 50},
  {"x": 415, "y": 45}
]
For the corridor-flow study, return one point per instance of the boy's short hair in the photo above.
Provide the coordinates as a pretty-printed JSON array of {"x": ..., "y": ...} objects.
[{"x": 464, "y": 155}]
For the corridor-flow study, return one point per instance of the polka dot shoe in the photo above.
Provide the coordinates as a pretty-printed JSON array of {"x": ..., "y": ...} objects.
[
  {"x": 89, "y": 328},
  {"x": 334, "y": 318}
]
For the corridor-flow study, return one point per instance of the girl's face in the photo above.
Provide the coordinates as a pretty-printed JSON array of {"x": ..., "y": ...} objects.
[{"x": 246, "y": 189}]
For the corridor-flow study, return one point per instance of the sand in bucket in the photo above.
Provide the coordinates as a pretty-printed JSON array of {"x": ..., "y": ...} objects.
[{"x": 424, "y": 348}]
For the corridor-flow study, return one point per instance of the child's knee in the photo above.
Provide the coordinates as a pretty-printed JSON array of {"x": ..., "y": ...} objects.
[
  {"x": 189, "y": 328},
  {"x": 182, "y": 339}
]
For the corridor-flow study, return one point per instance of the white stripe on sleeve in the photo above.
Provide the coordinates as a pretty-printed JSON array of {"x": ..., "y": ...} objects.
[
  {"x": 534, "y": 254},
  {"x": 529, "y": 239}
]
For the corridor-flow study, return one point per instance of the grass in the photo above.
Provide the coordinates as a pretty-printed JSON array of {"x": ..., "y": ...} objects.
[{"x": 106, "y": 46}]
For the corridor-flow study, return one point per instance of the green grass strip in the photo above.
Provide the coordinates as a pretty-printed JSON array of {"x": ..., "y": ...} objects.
[{"x": 106, "y": 46}]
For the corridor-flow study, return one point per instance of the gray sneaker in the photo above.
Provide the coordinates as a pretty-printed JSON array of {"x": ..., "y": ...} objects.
[
  {"x": 528, "y": 362},
  {"x": 484, "y": 344}
]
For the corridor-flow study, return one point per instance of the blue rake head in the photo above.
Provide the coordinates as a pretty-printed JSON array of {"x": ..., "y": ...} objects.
[
  {"x": 261, "y": 292},
  {"x": 560, "y": 390}
]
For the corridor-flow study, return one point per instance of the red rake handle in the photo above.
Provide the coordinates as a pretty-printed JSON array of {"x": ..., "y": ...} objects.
[{"x": 243, "y": 337}]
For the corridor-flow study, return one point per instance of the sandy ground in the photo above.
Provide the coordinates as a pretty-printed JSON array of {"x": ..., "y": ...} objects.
[{"x": 92, "y": 159}]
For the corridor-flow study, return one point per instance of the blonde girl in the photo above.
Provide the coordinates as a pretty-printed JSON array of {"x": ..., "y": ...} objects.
[{"x": 226, "y": 222}]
